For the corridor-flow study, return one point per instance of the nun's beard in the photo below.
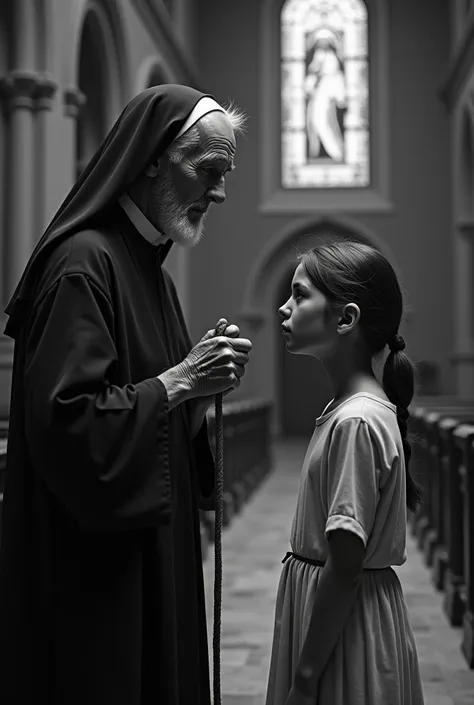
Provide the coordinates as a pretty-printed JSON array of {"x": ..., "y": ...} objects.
[{"x": 172, "y": 217}]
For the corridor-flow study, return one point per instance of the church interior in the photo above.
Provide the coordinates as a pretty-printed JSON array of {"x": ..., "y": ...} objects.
[{"x": 379, "y": 148}]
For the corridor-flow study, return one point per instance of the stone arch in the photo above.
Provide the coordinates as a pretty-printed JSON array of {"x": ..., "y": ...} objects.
[
  {"x": 44, "y": 43},
  {"x": 269, "y": 261},
  {"x": 153, "y": 72},
  {"x": 463, "y": 202},
  {"x": 109, "y": 17},
  {"x": 258, "y": 314},
  {"x": 101, "y": 75}
]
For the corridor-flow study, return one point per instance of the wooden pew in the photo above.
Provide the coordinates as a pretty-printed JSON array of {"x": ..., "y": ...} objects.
[
  {"x": 439, "y": 424},
  {"x": 416, "y": 428},
  {"x": 446, "y": 454},
  {"x": 3, "y": 462},
  {"x": 455, "y": 592},
  {"x": 447, "y": 465},
  {"x": 4, "y": 418},
  {"x": 441, "y": 400},
  {"x": 443, "y": 440},
  {"x": 440, "y": 524},
  {"x": 465, "y": 558},
  {"x": 247, "y": 453},
  {"x": 419, "y": 522}
]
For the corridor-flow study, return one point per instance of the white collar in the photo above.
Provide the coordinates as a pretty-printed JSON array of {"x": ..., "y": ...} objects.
[{"x": 141, "y": 222}]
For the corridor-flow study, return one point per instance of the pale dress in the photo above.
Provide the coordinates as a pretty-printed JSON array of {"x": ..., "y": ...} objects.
[{"x": 353, "y": 478}]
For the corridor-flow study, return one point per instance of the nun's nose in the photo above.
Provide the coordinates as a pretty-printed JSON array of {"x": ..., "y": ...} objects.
[{"x": 217, "y": 193}]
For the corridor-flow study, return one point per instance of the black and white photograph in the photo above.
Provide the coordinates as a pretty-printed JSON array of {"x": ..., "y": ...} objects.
[{"x": 236, "y": 352}]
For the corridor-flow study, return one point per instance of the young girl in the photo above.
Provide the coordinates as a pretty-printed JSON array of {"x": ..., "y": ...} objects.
[{"x": 342, "y": 634}]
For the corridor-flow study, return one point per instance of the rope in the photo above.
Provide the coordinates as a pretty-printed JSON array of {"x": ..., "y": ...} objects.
[{"x": 219, "y": 501}]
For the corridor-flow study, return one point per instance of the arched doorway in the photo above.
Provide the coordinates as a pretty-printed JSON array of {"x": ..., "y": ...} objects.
[
  {"x": 101, "y": 78},
  {"x": 467, "y": 167},
  {"x": 92, "y": 124},
  {"x": 153, "y": 71},
  {"x": 157, "y": 75},
  {"x": 266, "y": 287}
]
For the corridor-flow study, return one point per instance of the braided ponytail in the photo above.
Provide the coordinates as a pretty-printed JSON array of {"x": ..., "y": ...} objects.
[{"x": 399, "y": 384}]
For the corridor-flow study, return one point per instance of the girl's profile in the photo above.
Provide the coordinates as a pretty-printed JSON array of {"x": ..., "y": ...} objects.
[{"x": 342, "y": 634}]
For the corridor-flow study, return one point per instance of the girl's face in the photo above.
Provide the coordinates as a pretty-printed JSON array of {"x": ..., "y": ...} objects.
[{"x": 309, "y": 325}]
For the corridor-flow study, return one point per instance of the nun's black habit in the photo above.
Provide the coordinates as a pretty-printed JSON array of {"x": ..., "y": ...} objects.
[{"x": 101, "y": 585}]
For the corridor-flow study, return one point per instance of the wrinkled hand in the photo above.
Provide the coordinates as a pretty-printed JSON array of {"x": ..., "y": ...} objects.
[
  {"x": 217, "y": 363},
  {"x": 230, "y": 331}
]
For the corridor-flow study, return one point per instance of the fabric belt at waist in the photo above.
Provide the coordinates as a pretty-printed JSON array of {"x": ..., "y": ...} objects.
[{"x": 318, "y": 563}]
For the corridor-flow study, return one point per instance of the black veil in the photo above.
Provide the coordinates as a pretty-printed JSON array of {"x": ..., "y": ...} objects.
[{"x": 145, "y": 129}]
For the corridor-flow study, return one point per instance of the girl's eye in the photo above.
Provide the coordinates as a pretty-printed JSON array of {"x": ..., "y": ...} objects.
[{"x": 297, "y": 296}]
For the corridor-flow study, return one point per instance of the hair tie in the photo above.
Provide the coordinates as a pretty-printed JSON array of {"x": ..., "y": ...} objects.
[{"x": 397, "y": 344}]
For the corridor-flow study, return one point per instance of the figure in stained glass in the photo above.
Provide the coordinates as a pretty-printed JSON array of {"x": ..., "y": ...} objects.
[{"x": 325, "y": 94}]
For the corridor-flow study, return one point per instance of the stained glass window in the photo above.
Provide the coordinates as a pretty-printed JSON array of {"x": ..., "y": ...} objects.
[{"x": 325, "y": 94}]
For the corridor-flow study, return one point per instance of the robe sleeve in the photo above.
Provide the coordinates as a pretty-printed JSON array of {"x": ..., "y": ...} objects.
[
  {"x": 101, "y": 449},
  {"x": 202, "y": 455},
  {"x": 206, "y": 468}
]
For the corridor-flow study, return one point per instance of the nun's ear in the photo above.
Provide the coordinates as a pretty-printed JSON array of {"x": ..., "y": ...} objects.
[{"x": 153, "y": 169}]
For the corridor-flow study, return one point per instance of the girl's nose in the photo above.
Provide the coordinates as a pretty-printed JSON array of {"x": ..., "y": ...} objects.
[{"x": 283, "y": 311}]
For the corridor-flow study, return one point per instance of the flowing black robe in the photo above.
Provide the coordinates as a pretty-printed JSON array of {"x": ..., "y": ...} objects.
[{"x": 101, "y": 584}]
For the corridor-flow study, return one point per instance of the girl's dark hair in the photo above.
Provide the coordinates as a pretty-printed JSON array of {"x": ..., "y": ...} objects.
[{"x": 347, "y": 271}]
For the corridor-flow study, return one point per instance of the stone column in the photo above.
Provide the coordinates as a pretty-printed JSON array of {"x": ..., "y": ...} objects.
[
  {"x": 74, "y": 101},
  {"x": 19, "y": 89},
  {"x": 22, "y": 93},
  {"x": 44, "y": 97}
]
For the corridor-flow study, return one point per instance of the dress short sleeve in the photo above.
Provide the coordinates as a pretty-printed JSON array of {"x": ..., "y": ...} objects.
[{"x": 352, "y": 479}]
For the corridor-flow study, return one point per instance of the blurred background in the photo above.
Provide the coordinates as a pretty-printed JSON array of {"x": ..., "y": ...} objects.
[{"x": 360, "y": 123}]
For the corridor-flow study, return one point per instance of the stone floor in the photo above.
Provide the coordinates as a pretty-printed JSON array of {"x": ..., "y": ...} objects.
[{"x": 253, "y": 547}]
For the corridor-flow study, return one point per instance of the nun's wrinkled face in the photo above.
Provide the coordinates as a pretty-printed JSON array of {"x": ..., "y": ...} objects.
[{"x": 185, "y": 190}]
